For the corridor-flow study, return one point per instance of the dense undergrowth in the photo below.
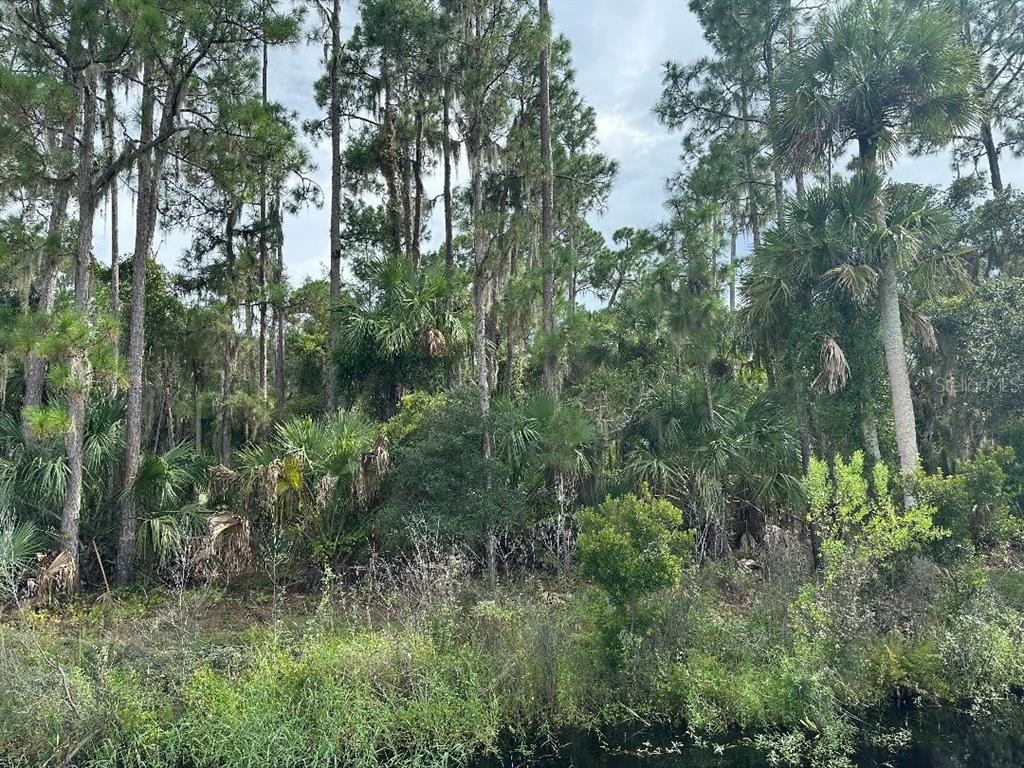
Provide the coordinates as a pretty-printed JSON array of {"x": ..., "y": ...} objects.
[{"x": 433, "y": 668}]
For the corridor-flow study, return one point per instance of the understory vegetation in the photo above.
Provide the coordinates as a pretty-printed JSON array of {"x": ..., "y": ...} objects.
[{"x": 418, "y": 665}]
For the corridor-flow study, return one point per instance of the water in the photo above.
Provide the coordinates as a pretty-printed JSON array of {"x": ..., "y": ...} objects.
[{"x": 937, "y": 739}]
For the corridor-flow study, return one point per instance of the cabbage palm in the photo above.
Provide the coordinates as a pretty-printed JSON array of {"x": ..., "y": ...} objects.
[
  {"x": 542, "y": 438},
  {"x": 312, "y": 473},
  {"x": 740, "y": 457},
  {"x": 167, "y": 494},
  {"x": 883, "y": 74},
  {"x": 820, "y": 268},
  {"x": 400, "y": 331}
]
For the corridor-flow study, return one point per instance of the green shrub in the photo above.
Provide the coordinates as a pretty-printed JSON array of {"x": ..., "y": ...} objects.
[
  {"x": 975, "y": 503},
  {"x": 440, "y": 480},
  {"x": 632, "y": 546}
]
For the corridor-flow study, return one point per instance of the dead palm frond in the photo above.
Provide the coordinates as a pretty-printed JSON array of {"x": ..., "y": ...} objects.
[{"x": 835, "y": 370}]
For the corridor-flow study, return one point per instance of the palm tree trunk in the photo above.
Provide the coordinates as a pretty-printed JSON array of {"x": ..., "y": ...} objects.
[
  {"x": 79, "y": 364},
  {"x": 899, "y": 377}
]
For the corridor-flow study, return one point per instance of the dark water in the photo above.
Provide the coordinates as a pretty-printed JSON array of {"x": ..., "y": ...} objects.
[{"x": 937, "y": 739}]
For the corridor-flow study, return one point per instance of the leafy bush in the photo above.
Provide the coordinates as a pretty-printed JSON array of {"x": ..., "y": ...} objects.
[
  {"x": 975, "y": 503},
  {"x": 857, "y": 515},
  {"x": 439, "y": 479},
  {"x": 632, "y": 547}
]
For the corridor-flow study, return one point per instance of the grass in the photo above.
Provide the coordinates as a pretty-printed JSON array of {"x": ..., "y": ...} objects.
[{"x": 439, "y": 677}]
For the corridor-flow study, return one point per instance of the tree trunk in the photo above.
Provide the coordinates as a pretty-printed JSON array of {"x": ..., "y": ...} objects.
[
  {"x": 335, "y": 121},
  {"x": 480, "y": 282},
  {"x": 869, "y": 431},
  {"x": 446, "y": 150},
  {"x": 279, "y": 312},
  {"x": 546, "y": 206},
  {"x": 992, "y": 154},
  {"x": 753, "y": 215},
  {"x": 769, "y": 65},
  {"x": 79, "y": 363},
  {"x": 115, "y": 277},
  {"x": 261, "y": 351},
  {"x": 394, "y": 205},
  {"x": 145, "y": 224},
  {"x": 417, "y": 210},
  {"x": 230, "y": 345},
  {"x": 733, "y": 237},
  {"x": 899, "y": 377},
  {"x": 197, "y": 415},
  {"x": 46, "y": 284}
]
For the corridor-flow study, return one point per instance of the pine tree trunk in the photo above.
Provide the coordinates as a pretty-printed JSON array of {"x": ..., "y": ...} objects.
[
  {"x": 197, "y": 415},
  {"x": 230, "y": 345},
  {"x": 335, "y": 121},
  {"x": 417, "y": 210},
  {"x": 769, "y": 65},
  {"x": 546, "y": 209},
  {"x": 145, "y": 224},
  {"x": 115, "y": 277},
  {"x": 262, "y": 343},
  {"x": 79, "y": 364},
  {"x": 394, "y": 205},
  {"x": 733, "y": 237},
  {"x": 46, "y": 284},
  {"x": 992, "y": 155},
  {"x": 446, "y": 149},
  {"x": 480, "y": 283},
  {"x": 279, "y": 313}
]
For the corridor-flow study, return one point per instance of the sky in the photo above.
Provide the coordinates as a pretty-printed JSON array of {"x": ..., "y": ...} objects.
[{"x": 619, "y": 47}]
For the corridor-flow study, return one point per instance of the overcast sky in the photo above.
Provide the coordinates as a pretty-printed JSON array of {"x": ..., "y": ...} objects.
[{"x": 619, "y": 47}]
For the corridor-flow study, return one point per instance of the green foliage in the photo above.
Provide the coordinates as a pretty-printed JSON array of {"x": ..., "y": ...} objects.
[
  {"x": 632, "y": 547},
  {"x": 975, "y": 503},
  {"x": 19, "y": 543},
  {"x": 857, "y": 515},
  {"x": 440, "y": 481},
  {"x": 312, "y": 478}
]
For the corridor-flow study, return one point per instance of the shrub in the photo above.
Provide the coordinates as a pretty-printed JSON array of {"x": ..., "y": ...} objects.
[
  {"x": 440, "y": 480},
  {"x": 632, "y": 547},
  {"x": 975, "y": 503}
]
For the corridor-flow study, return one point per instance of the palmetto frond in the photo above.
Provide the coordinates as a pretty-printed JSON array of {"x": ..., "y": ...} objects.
[
  {"x": 835, "y": 370},
  {"x": 166, "y": 480},
  {"x": 19, "y": 542},
  {"x": 856, "y": 281}
]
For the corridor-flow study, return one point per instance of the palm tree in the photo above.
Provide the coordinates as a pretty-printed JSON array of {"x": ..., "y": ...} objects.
[
  {"x": 886, "y": 75},
  {"x": 819, "y": 270},
  {"x": 311, "y": 474},
  {"x": 403, "y": 334}
]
